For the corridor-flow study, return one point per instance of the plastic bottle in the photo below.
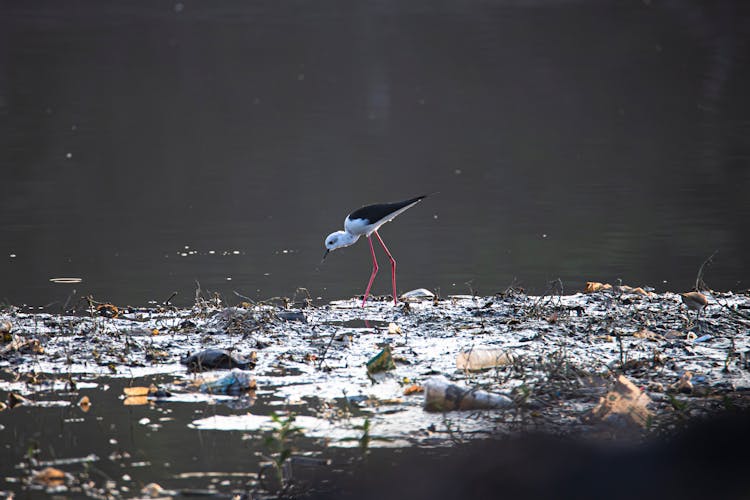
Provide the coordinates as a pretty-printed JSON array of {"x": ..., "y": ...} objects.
[
  {"x": 482, "y": 358},
  {"x": 441, "y": 395}
]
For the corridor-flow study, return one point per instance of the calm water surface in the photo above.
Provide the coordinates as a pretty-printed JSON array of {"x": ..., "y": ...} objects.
[{"x": 147, "y": 145}]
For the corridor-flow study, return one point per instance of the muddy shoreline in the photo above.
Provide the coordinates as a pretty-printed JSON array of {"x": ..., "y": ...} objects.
[{"x": 563, "y": 356}]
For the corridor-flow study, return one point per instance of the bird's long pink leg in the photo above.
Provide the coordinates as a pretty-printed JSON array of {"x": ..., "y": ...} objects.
[
  {"x": 393, "y": 267},
  {"x": 374, "y": 270}
]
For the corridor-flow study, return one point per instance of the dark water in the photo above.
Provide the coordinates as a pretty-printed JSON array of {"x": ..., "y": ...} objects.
[
  {"x": 579, "y": 140},
  {"x": 137, "y": 445}
]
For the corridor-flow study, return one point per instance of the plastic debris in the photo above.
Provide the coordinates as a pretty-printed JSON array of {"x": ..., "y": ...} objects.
[
  {"x": 394, "y": 329},
  {"x": 292, "y": 316},
  {"x": 108, "y": 310},
  {"x": 441, "y": 395},
  {"x": 135, "y": 401},
  {"x": 595, "y": 286},
  {"x": 49, "y": 477},
  {"x": 235, "y": 382},
  {"x": 211, "y": 359},
  {"x": 153, "y": 490},
  {"x": 418, "y": 294},
  {"x": 685, "y": 383},
  {"x": 382, "y": 361},
  {"x": 623, "y": 406},
  {"x": 413, "y": 389},
  {"x": 138, "y": 391},
  {"x": 84, "y": 404},
  {"x": 482, "y": 358}
]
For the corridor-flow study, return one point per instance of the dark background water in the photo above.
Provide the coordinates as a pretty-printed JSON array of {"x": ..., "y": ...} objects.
[{"x": 572, "y": 139}]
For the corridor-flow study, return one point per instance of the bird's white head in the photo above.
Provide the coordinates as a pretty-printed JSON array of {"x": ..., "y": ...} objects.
[{"x": 339, "y": 239}]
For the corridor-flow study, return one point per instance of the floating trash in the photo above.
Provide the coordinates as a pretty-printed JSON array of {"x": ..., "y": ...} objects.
[
  {"x": 482, "y": 359},
  {"x": 211, "y": 359},
  {"x": 382, "y": 361},
  {"x": 234, "y": 383},
  {"x": 441, "y": 395},
  {"x": 66, "y": 281}
]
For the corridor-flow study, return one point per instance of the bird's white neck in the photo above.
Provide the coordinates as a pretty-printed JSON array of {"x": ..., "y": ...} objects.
[{"x": 347, "y": 239}]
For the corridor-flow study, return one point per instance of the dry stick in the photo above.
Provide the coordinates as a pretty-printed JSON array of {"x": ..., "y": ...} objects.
[
  {"x": 166, "y": 302},
  {"x": 238, "y": 294},
  {"x": 699, "y": 284},
  {"x": 325, "y": 351}
]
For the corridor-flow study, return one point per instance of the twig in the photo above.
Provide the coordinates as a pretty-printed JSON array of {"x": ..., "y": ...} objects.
[
  {"x": 166, "y": 302},
  {"x": 238, "y": 294},
  {"x": 325, "y": 351},
  {"x": 699, "y": 284}
]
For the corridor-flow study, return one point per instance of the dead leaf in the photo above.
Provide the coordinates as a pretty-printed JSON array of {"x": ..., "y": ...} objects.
[
  {"x": 595, "y": 286},
  {"x": 413, "y": 389}
]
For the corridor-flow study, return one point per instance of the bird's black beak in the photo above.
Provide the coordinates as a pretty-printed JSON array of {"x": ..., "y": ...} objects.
[{"x": 324, "y": 256}]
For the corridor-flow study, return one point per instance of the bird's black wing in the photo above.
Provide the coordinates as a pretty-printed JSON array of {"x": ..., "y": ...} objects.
[{"x": 380, "y": 211}]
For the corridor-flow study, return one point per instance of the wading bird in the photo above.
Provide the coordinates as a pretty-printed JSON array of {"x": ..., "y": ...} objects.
[{"x": 366, "y": 221}]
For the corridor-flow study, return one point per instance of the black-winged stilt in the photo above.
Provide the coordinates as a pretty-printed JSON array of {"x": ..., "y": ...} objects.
[{"x": 366, "y": 221}]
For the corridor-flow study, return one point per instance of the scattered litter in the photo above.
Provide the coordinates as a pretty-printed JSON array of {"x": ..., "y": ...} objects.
[
  {"x": 623, "y": 406},
  {"x": 685, "y": 383},
  {"x": 211, "y": 359},
  {"x": 49, "y": 477},
  {"x": 394, "y": 329},
  {"x": 154, "y": 490},
  {"x": 413, "y": 389},
  {"x": 382, "y": 361},
  {"x": 477, "y": 359},
  {"x": 138, "y": 391},
  {"x": 292, "y": 316},
  {"x": 234, "y": 383},
  {"x": 441, "y": 395},
  {"x": 595, "y": 286},
  {"x": 135, "y": 401},
  {"x": 417, "y": 295},
  {"x": 84, "y": 403},
  {"x": 108, "y": 310}
]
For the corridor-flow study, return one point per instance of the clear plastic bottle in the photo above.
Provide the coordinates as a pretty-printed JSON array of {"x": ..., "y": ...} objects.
[
  {"x": 482, "y": 358},
  {"x": 441, "y": 395}
]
